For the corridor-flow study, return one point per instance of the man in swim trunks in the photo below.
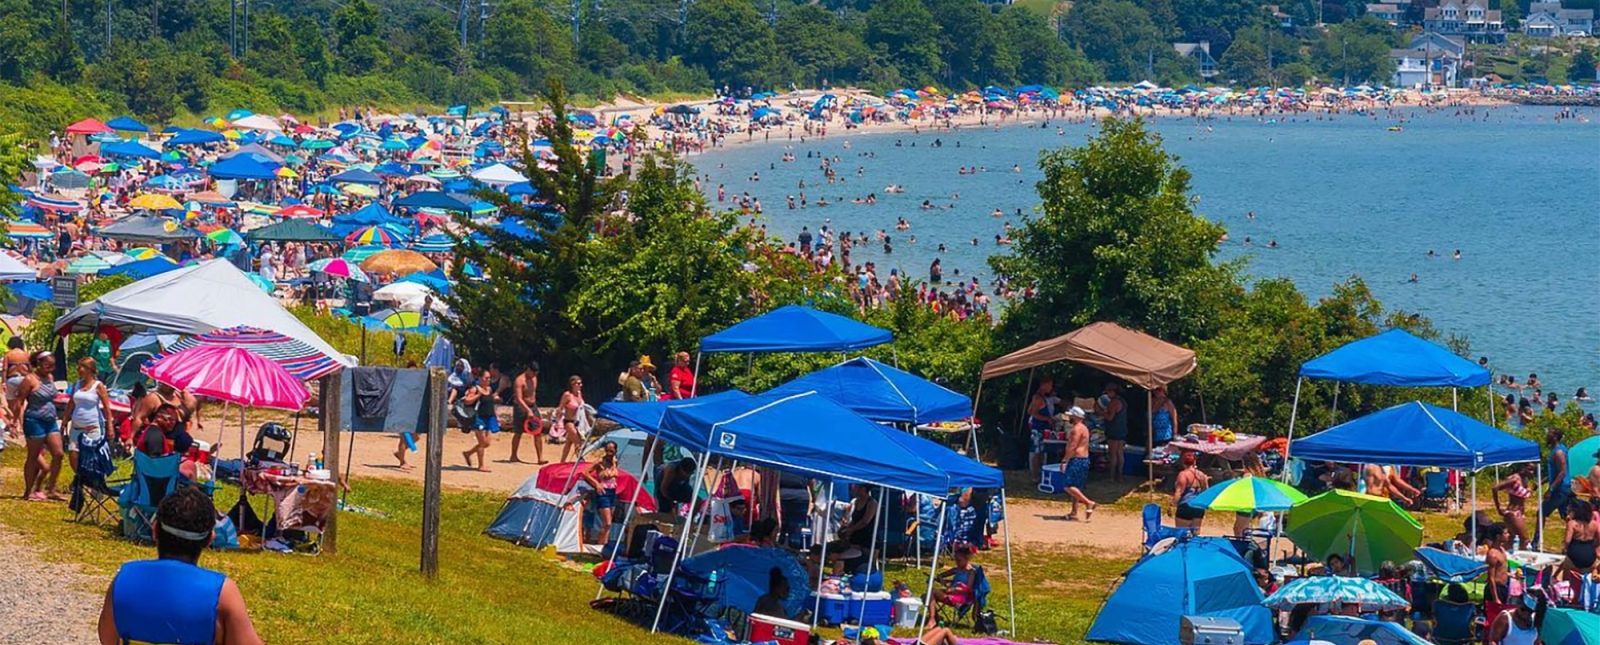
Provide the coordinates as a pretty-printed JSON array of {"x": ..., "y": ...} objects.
[
  {"x": 1497, "y": 593},
  {"x": 1041, "y": 416},
  {"x": 1076, "y": 465}
]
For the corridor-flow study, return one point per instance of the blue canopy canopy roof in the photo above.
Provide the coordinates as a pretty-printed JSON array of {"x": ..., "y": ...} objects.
[
  {"x": 1395, "y": 357},
  {"x": 882, "y": 393},
  {"x": 357, "y": 176},
  {"x": 807, "y": 433},
  {"x": 1417, "y": 434},
  {"x": 127, "y": 123},
  {"x": 240, "y": 167},
  {"x": 128, "y": 149},
  {"x": 194, "y": 137},
  {"x": 646, "y": 415},
  {"x": 431, "y": 199},
  {"x": 794, "y": 328},
  {"x": 141, "y": 269}
]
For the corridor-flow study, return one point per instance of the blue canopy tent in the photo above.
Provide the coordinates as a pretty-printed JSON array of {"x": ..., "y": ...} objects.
[
  {"x": 882, "y": 393},
  {"x": 794, "y": 328},
  {"x": 1196, "y": 577},
  {"x": 431, "y": 199},
  {"x": 1417, "y": 434},
  {"x": 646, "y": 415},
  {"x": 357, "y": 176},
  {"x": 128, "y": 149},
  {"x": 127, "y": 123},
  {"x": 241, "y": 167},
  {"x": 191, "y": 137},
  {"x": 141, "y": 269}
]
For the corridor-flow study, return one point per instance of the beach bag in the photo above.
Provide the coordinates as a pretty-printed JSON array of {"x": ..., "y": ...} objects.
[
  {"x": 722, "y": 519},
  {"x": 985, "y": 623},
  {"x": 224, "y": 536}
]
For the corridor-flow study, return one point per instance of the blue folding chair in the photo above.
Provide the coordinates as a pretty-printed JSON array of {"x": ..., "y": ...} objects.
[
  {"x": 1436, "y": 489},
  {"x": 1155, "y": 532},
  {"x": 154, "y": 478},
  {"x": 1453, "y": 623}
]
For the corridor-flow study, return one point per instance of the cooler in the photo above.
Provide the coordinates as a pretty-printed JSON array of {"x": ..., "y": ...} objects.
[
  {"x": 769, "y": 629},
  {"x": 908, "y": 612},
  {"x": 866, "y": 609},
  {"x": 1052, "y": 479}
]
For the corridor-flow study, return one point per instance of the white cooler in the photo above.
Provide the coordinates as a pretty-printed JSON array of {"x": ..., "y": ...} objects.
[{"x": 908, "y": 612}]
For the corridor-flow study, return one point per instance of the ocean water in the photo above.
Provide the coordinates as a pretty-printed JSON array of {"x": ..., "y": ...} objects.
[{"x": 1514, "y": 189}]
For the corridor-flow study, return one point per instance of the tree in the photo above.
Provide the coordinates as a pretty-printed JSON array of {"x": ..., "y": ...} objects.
[
  {"x": 1582, "y": 69},
  {"x": 1245, "y": 62},
  {"x": 1117, "y": 36},
  {"x": 819, "y": 45},
  {"x": 20, "y": 50},
  {"x": 312, "y": 50},
  {"x": 905, "y": 32},
  {"x": 731, "y": 41},
  {"x": 273, "y": 51},
  {"x": 14, "y": 161},
  {"x": 355, "y": 30},
  {"x": 1357, "y": 50},
  {"x": 1047, "y": 60},
  {"x": 527, "y": 42}
]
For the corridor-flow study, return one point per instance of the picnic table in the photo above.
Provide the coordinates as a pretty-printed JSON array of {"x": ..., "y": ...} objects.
[{"x": 1243, "y": 445}]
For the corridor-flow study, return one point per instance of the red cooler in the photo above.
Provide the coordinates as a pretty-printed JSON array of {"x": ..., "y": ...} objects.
[{"x": 765, "y": 629}]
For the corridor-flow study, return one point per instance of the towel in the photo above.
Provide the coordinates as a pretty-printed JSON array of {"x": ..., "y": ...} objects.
[{"x": 372, "y": 386}]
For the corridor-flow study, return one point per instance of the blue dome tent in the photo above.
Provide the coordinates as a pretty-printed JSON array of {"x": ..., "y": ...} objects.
[{"x": 1196, "y": 577}]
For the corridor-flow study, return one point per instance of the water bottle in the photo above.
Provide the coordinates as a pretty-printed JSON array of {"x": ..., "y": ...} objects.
[{"x": 1516, "y": 544}]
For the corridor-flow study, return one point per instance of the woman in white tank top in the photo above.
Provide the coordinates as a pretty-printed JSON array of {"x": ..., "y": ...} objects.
[{"x": 86, "y": 409}]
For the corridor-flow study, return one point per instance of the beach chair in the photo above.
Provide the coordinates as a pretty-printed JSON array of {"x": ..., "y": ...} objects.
[
  {"x": 1155, "y": 532},
  {"x": 977, "y": 598},
  {"x": 154, "y": 478},
  {"x": 1436, "y": 489},
  {"x": 93, "y": 494},
  {"x": 1453, "y": 624}
]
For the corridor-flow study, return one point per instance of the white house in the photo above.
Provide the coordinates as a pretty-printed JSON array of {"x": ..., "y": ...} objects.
[
  {"x": 1548, "y": 19},
  {"x": 1391, "y": 13},
  {"x": 1472, "y": 20},
  {"x": 1431, "y": 60}
]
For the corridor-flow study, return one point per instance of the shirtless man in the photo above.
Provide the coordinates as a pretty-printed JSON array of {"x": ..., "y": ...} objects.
[
  {"x": 1497, "y": 594},
  {"x": 1077, "y": 465},
  {"x": 524, "y": 410},
  {"x": 1383, "y": 482}
]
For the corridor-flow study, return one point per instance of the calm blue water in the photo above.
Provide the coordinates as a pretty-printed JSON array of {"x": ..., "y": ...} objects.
[{"x": 1518, "y": 194}]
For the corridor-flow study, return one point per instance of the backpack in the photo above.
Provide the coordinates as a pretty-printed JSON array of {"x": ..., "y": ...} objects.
[{"x": 985, "y": 622}]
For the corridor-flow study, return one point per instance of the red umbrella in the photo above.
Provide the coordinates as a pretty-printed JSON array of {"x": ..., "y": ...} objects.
[
  {"x": 231, "y": 374},
  {"x": 299, "y": 210}
]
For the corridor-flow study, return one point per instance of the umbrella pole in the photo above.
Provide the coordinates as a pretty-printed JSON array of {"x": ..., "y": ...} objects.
[
  {"x": 1538, "y": 525},
  {"x": 822, "y": 562},
  {"x": 1472, "y": 513},
  {"x": 933, "y": 572},
  {"x": 1294, "y": 409}
]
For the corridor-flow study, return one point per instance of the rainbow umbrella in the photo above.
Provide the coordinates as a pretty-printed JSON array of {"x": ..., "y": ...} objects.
[
  {"x": 361, "y": 253},
  {"x": 142, "y": 253},
  {"x": 1570, "y": 627},
  {"x": 231, "y": 374},
  {"x": 339, "y": 268},
  {"x": 1248, "y": 495},
  {"x": 225, "y": 236},
  {"x": 300, "y": 359},
  {"x": 376, "y": 235}
]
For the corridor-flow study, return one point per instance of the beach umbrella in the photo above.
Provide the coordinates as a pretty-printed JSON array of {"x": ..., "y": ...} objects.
[
  {"x": 316, "y": 144},
  {"x": 1326, "y": 589},
  {"x": 142, "y": 253},
  {"x": 300, "y": 210},
  {"x": 375, "y": 235},
  {"x": 265, "y": 284},
  {"x": 1450, "y": 567},
  {"x": 402, "y": 320},
  {"x": 225, "y": 236},
  {"x": 231, "y": 374},
  {"x": 1570, "y": 627},
  {"x": 435, "y": 243},
  {"x": 297, "y": 357},
  {"x": 398, "y": 262},
  {"x": 339, "y": 268},
  {"x": 154, "y": 202},
  {"x": 1247, "y": 495},
  {"x": 287, "y": 173},
  {"x": 361, "y": 253},
  {"x": 1366, "y": 528},
  {"x": 1582, "y": 456},
  {"x": 88, "y": 264},
  {"x": 360, "y": 190}
]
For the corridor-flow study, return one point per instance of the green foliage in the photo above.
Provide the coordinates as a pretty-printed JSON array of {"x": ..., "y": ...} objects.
[
  {"x": 1582, "y": 69},
  {"x": 1357, "y": 50},
  {"x": 349, "y": 338},
  {"x": 41, "y": 334},
  {"x": 731, "y": 41},
  {"x": 1569, "y": 421},
  {"x": 1120, "y": 38},
  {"x": 904, "y": 33}
]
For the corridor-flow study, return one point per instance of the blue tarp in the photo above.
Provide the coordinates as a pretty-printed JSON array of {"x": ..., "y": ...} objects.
[
  {"x": 240, "y": 167},
  {"x": 128, "y": 149},
  {"x": 1417, "y": 434},
  {"x": 743, "y": 573},
  {"x": 806, "y": 434},
  {"x": 882, "y": 393},
  {"x": 1196, "y": 577},
  {"x": 794, "y": 328},
  {"x": 646, "y": 415},
  {"x": 1395, "y": 357},
  {"x": 431, "y": 199},
  {"x": 127, "y": 124},
  {"x": 357, "y": 176},
  {"x": 194, "y": 137},
  {"x": 1344, "y": 630}
]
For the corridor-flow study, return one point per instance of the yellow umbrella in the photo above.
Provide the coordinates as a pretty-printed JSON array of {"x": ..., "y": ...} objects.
[
  {"x": 154, "y": 202},
  {"x": 287, "y": 172},
  {"x": 398, "y": 262}
]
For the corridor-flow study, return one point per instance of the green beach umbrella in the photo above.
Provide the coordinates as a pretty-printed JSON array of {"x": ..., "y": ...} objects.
[
  {"x": 1248, "y": 495},
  {"x": 1366, "y": 528},
  {"x": 88, "y": 264},
  {"x": 225, "y": 236},
  {"x": 260, "y": 282},
  {"x": 1570, "y": 627},
  {"x": 361, "y": 253}
]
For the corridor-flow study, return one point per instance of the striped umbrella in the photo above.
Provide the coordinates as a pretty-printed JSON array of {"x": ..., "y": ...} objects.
[
  {"x": 298, "y": 358},
  {"x": 29, "y": 230},
  {"x": 1570, "y": 627},
  {"x": 340, "y": 268},
  {"x": 435, "y": 243},
  {"x": 376, "y": 235},
  {"x": 231, "y": 374},
  {"x": 1248, "y": 495},
  {"x": 1325, "y": 589}
]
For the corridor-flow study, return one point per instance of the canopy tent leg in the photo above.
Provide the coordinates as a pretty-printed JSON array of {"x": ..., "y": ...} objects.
[
  {"x": 1472, "y": 513},
  {"x": 683, "y": 539},
  {"x": 1538, "y": 522},
  {"x": 1149, "y": 437},
  {"x": 1455, "y": 402},
  {"x": 1294, "y": 409},
  {"x": 1011, "y": 584},
  {"x": 933, "y": 571},
  {"x": 696, "y": 385},
  {"x": 872, "y": 550},
  {"x": 822, "y": 562},
  {"x": 633, "y": 506},
  {"x": 1333, "y": 411},
  {"x": 972, "y": 435}
]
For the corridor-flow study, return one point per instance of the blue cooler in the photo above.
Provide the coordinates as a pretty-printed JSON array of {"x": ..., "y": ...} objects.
[
  {"x": 1052, "y": 480},
  {"x": 862, "y": 582},
  {"x": 837, "y": 609}
]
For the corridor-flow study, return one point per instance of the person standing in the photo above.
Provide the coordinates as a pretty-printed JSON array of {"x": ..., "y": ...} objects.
[
  {"x": 567, "y": 412},
  {"x": 1191, "y": 481},
  {"x": 171, "y": 599},
  {"x": 479, "y": 402},
  {"x": 602, "y": 477},
  {"x": 680, "y": 379},
  {"x": 525, "y": 413},
  {"x": 1558, "y": 485},
  {"x": 1163, "y": 416},
  {"x": 35, "y": 405},
  {"x": 1497, "y": 594},
  {"x": 86, "y": 410},
  {"x": 1077, "y": 465},
  {"x": 1114, "y": 418},
  {"x": 1041, "y": 417}
]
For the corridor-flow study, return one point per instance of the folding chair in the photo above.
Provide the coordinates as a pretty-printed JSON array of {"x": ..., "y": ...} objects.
[
  {"x": 1453, "y": 624},
  {"x": 977, "y": 599},
  {"x": 92, "y": 491},
  {"x": 1155, "y": 532},
  {"x": 1436, "y": 489},
  {"x": 154, "y": 478}
]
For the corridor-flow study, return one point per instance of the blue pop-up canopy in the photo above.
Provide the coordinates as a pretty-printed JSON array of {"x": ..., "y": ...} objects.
[
  {"x": 127, "y": 123},
  {"x": 194, "y": 137},
  {"x": 141, "y": 269},
  {"x": 431, "y": 199},
  {"x": 241, "y": 167},
  {"x": 646, "y": 415},
  {"x": 794, "y": 328},
  {"x": 357, "y": 176},
  {"x": 1395, "y": 357},
  {"x": 1417, "y": 434},
  {"x": 882, "y": 393},
  {"x": 804, "y": 433},
  {"x": 1196, "y": 577},
  {"x": 128, "y": 149}
]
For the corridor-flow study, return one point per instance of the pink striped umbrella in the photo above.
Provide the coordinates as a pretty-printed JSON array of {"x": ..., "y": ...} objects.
[{"x": 231, "y": 374}]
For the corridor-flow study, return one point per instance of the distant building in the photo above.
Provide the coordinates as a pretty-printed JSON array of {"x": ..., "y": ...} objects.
[
  {"x": 1548, "y": 19},
  {"x": 1471, "y": 20},
  {"x": 1284, "y": 20},
  {"x": 1201, "y": 52},
  {"x": 1431, "y": 60},
  {"x": 1393, "y": 14}
]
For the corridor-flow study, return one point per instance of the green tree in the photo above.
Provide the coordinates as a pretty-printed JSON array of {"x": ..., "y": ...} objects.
[
  {"x": 63, "y": 58},
  {"x": 819, "y": 45},
  {"x": 14, "y": 161},
  {"x": 905, "y": 33},
  {"x": 311, "y": 48},
  {"x": 1118, "y": 37},
  {"x": 1245, "y": 62},
  {"x": 1047, "y": 59},
  {"x": 1582, "y": 69},
  {"x": 525, "y": 41},
  {"x": 1357, "y": 50},
  {"x": 21, "y": 53},
  {"x": 731, "y": 41},
  {"x": 356, "y": 31},
  {"x": 273, "y": 51}
]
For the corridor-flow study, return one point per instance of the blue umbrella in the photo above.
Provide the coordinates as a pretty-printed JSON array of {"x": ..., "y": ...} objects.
[{"x": 1325, "y": 589}]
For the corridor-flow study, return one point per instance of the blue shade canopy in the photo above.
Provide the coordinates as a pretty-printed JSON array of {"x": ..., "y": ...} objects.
[
  {"x": 438, "y": 284},
  {"x": 803, "y": 433},
  {"x": 1395, "y": 357},
  {"x": 127, "y": 124},
  {"x": 646, "y": 415},
  {"x": 794, "y": 328},
  {"x": 882, "y": 393},
  {"x": 962, "y": 471},
  {"x": 1196, "y": 577},
  {"x": 432, "y": 199},
  {"x": 128, "y": 149},
  {"x": 357, "y": 176},
  {"x": 192, "y": 137},
  {"x": 1417, "y": 434},
  {"x": 142, "y": 269},
  {"x": 241, "y": 167}
]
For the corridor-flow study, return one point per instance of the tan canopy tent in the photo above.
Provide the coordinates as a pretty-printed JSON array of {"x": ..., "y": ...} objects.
[{"x": 1132, "y": 356}]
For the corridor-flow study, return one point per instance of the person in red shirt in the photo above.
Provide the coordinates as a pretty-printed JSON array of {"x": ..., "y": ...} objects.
[{"x": 680, "y": 379}]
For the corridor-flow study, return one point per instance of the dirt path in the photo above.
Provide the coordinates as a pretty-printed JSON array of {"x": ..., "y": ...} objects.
[{"x": 44, "y": 603}]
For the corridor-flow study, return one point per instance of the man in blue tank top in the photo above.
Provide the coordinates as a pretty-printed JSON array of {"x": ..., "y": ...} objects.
[{"x": 171, "y": 600}]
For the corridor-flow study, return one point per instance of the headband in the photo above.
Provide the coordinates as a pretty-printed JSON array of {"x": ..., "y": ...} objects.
[{"x": 186, "y": 535}]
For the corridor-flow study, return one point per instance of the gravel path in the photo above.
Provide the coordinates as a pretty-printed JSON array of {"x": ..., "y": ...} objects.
[{"x": 44, "y": 603}]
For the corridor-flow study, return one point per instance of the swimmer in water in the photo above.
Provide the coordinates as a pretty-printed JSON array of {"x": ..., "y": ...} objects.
[
  {"x": 1413, "y": 278},
  {"x": 1457, "y": 254}
]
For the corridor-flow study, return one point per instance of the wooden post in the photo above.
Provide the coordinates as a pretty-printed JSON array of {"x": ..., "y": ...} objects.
[
  {"x": 430, "y": 469},
  {"x": 331, "y": 397}
]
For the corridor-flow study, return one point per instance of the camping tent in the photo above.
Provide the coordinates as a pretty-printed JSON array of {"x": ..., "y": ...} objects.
[
  {"x": 1396, "y": 357},
  {"x": 882, "y": 393},
  {"x": 1196, "y": 577},
  {"x": 538, "y": 518},
  {"x": 1417, "y": 434},
  {"x": 1132, "y": 356},
  {"x": 194, "y": 300},
  {"x": 794, "y": 328}
]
